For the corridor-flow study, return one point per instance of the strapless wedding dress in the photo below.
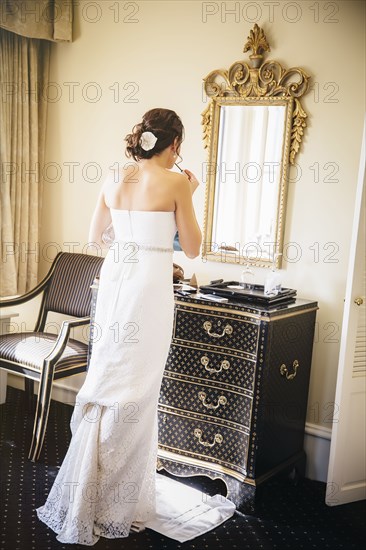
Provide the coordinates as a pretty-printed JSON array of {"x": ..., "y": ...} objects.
[{"x": 107, "y": 480}]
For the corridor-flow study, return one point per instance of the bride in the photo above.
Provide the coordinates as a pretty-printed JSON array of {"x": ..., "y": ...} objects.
[{"x": 107, "y": 482}]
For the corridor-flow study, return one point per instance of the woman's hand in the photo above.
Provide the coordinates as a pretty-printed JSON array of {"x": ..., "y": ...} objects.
[{"x": 192, "y": 180}]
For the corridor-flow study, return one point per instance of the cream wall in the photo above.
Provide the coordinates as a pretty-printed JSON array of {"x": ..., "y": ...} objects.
[{"x": 156, "y": 54}]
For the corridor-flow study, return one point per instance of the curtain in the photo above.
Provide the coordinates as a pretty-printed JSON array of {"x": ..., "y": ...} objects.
[
  {"x": 24, "y": 66},
  {"x": 24, "y": 75},
  {"x": 46, "y": 19}
]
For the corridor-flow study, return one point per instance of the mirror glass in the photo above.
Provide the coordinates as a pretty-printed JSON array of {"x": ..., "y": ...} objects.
[{"x": 248, "y": 179}]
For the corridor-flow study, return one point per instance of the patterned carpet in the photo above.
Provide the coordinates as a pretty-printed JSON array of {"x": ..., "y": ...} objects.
[{"x": 288, "y": 515}]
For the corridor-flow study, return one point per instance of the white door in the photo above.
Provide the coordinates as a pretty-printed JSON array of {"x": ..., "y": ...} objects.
[{"x": 347, "y": 462}]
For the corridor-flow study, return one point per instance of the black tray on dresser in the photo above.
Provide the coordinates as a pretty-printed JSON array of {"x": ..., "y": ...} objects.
[
  {"x": 234, "y": 394},
  {"x": 233, "y": 290}
]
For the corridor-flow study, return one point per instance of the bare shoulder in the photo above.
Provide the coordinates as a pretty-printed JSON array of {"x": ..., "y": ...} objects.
[{"x": 179, "y": 181}]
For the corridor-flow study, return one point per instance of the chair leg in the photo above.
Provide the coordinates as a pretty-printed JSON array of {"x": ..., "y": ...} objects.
[
  {"x": 29, "y": 394},
  {"x": 41, "y": 413},
  {"x": 3, "y": 386}
]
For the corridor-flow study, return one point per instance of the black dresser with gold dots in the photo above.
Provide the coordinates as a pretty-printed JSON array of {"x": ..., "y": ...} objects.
[{"x": 233, "y": 399}]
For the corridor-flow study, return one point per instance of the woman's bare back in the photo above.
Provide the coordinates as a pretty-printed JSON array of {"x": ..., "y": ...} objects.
[{"x": 142, "y": 188}]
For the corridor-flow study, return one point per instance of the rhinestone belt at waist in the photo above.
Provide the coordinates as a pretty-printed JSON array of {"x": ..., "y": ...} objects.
[{"x": 138, "y": 246}]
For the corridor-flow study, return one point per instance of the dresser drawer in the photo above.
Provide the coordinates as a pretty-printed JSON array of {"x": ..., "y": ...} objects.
[
  {"x": 203, "y": 440},
  {"x": 212, "y": 366},
  {"x": 206, "y": 399},
  {"x": 221, "y": 332}
]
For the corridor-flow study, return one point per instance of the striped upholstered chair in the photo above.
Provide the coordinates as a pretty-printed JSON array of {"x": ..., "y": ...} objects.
[{"x": 42, "y": 356}]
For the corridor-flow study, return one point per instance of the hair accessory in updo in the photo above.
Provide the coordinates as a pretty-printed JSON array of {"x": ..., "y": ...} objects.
[
  {"x": 147, "y": 141},
  {"x": 159, "y": 129}
]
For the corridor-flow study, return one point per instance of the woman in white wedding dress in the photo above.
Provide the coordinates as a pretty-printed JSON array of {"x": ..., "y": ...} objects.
[{"x": 106, "y": 483}]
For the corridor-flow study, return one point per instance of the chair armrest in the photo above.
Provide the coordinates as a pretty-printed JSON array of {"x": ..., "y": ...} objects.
[
  {"x": 63, "y": 337},
  {"x": 25, "y": 297},
  {"x": 35, "y": 291},
  {"x": 76, "y": 322}
]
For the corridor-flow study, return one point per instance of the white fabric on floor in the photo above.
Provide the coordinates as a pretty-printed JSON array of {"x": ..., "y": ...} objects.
[{"x": 183, "y": 513}]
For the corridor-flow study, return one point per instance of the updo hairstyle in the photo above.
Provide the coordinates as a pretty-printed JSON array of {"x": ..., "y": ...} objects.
[{"x": 164, "y": 124}]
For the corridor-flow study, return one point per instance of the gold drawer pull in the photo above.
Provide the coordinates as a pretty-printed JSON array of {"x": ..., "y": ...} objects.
[
  {"x": 205, "y": 361},
  {"x": 217, "y": 439},
  {"x": 221, "y": 401},
  {"x": 207, "y": 325},
  {"x": 284, "y": 370}
]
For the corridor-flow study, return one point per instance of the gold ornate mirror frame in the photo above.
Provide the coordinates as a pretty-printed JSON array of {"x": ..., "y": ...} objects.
[{"x": 261, "y": 84}]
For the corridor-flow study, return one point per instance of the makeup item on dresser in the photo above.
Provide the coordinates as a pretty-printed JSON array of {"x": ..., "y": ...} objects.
[
  {"x": 247, "y": 278},
  {"x": 210, "y": 297},
  {"x": 184, "y": 289},
  {"x": 193, "y": 281},
  {"x": 273, "y": 283}
]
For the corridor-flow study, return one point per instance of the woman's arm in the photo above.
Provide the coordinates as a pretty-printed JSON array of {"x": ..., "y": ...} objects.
[
  {"x": 190, "y": 236},
  {"x": 101, "y": 219}
]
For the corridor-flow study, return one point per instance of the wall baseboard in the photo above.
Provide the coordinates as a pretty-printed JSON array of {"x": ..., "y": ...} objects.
[
  {"x": 317, "y": 449},
  {"x": 316, "y": 442},
  {"x": 61, "y": 391}
]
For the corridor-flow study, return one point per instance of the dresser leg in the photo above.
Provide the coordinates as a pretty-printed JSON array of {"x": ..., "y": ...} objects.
[
  {"x": 242, "y": 494},
  {"x": 298, "y": 470}
]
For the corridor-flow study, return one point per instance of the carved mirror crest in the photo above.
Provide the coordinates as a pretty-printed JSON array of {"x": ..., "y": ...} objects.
[{"x": 252, "y": 129}]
